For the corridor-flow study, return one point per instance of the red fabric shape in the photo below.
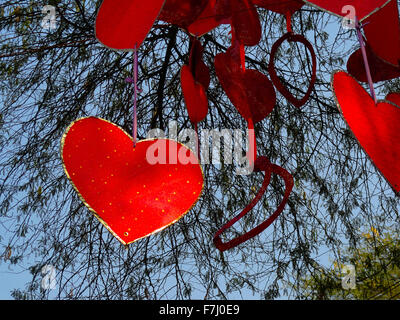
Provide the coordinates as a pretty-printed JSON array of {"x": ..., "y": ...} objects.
[
  {"x": 198, "y": 68},
  {"x": 274, "y": 77},
  {"x": 131, "y": 197},
  {"x": 382, "y": 31},
  {"x": 364, "y": 8},
  {"x": 124, "y": 24},
  {"x": 250, "y": 91},
  {"x": 207, "y": 21},
  {"x": 375, "y": 126},
  {"x": 380, "y": 69},
  {"x": 281, "y": 7},
  {"x": 394, "y": 97},
  {"x": 224, "y": 10},
  {"x": 243, "y": 17},
  {"x": 195, "y": 80},
  {"x": 182, "y": 13},
  {"x": 261, "y": 164},
  {"x": 195, "y": 96}
]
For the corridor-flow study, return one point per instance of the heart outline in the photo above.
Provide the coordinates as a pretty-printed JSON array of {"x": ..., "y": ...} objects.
[{"x": 291, "y": 37}]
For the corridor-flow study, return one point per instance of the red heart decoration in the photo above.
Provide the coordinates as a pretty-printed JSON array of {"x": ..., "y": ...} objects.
[
  {"x": 244, "y": 19},
  {"x": 261, "y": 164},
  {"x": 375, "y": 126},
  {"x": 124, "y": 24},
  {"x": 182, "y": 13},
  {"x": 364, "y": 8},
  {"x": 274, "y": 76},
  {"x": 207, "y": 21},
  {"x": 380, "y": 69},
  {"x": 385, "y": 22},
  {"x": 394, "y": 97},
  {"x": 195, "y": 96},
  {"x": 250, "y": 91},
  {"x": 131, "y": 197},
  {"x": 282, "y": 7}
]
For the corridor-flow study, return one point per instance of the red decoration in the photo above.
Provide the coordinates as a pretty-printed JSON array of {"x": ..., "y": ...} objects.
[
  {"x": 382, "y": 31},
  {"x": 207, "y": 21},
  {"x": 250, "y": 91},
  {"x": 198, "y": 68},
  {"x": 274, "y": 77},
  {"x": 364, "y": 8},
  {"x": 195, "y": 79},
  {"x": 124, "y": 24},
  {"x": 244, "y": 19},
  {"x": 394, "y": 97},
  {"x": 182, "y": 13},
  {"x": 261, "y": 164},
  {"x": 380, "y": 69},
  {"x": 195, "y": 96},
  {"x": 282, "y": 7},
  {"x": 130, "y": 196},
  {"x": 375, "y": 126}
]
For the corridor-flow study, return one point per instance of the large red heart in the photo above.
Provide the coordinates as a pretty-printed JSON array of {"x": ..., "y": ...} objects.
[
  {"x": 124, "y": 24},
  {"x": 130, "y": 196},
  {"x": 250, "y": 91},
  {"x": 364, "y": 8},
  {"x": 375, "y": 126}
]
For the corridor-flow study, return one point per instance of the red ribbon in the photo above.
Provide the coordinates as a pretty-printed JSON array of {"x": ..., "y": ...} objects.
[{"x": 261, "y": 164}]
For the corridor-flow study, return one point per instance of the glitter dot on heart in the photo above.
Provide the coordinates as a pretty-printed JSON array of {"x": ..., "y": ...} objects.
[{"x": 130, "y": 196}]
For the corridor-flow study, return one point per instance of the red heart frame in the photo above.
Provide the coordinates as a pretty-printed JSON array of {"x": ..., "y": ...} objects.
[
  {"x": 274, "y": 77},
  {"x": 261, "y": 164}
]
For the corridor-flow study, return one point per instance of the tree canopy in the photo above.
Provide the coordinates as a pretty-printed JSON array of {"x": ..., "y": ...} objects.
[{"x": 49, "y": 78}]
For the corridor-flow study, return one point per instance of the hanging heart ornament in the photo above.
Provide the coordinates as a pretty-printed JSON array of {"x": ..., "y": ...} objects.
[
  {"x": 375, "y": 126},
  {"x": 130, "y": 193},
  {"x": 124, "y": 24}
]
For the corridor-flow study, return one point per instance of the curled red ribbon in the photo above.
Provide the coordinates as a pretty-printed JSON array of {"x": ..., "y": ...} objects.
[{"x": 261, "y": 164}]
